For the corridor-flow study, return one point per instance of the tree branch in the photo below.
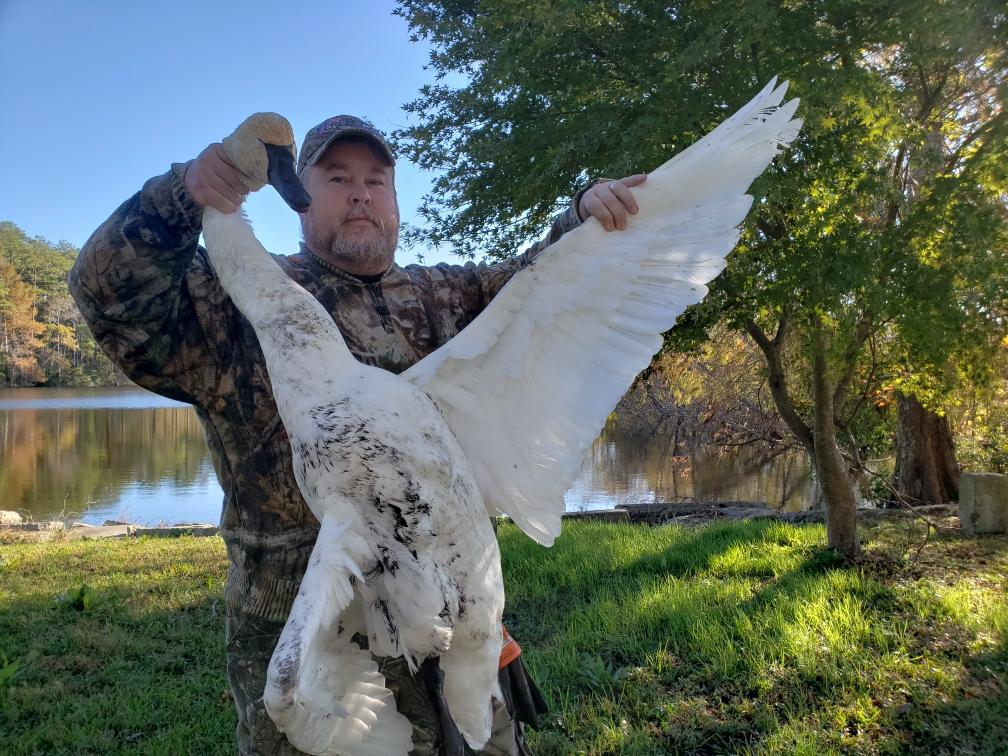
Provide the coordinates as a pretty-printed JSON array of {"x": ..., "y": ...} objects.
[
  {"x": 778, "y": 381},
  {"x": 868, "y": 383},
  {"x": 861, "y": 334},
  {"x": 978, "y": 132},
  {"x": 769, "y": 230}
]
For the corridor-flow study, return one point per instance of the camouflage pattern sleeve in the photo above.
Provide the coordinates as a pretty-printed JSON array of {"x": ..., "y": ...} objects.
[
  {"x": 134, "y": 283},
  {"x": 470, "y": 287},
  {"x": 493, "y": 277}
]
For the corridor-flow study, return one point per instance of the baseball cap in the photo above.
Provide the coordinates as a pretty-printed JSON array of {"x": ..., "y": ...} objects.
[{"x": 320, "y": 137}]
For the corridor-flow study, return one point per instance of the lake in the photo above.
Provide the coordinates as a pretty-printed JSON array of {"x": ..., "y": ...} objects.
[{"x": 123, "y": 453}]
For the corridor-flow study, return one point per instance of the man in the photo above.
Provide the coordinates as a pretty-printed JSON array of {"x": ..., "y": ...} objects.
[{"x": 153, "y": 302}]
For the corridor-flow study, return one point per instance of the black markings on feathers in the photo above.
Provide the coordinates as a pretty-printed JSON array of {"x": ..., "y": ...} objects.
[
  {"x": 402, "y": 529},
  {"x": 412, "y": 496},
  {"x": 387, "y": 560},
  {"x": 390, "y": 626},
  {"x": 382, "y": 481}
]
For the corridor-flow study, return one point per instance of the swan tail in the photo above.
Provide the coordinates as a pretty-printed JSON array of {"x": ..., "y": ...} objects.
[{"x": 342, "y": 706}]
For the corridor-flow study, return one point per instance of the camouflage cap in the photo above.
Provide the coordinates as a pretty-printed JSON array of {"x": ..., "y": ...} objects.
[{"x": 338, "y": 127}]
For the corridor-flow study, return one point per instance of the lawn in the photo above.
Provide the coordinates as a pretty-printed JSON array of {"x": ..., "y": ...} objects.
[{"x": 731, "y": 638}]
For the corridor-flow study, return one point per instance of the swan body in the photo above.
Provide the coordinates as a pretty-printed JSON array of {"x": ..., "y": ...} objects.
[
  {"x": 405, "y": 553},
  {"x": 401, "y": 470}
]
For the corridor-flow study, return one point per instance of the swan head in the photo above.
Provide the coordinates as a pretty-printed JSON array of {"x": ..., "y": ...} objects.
[{"x": 262, "y": 148}]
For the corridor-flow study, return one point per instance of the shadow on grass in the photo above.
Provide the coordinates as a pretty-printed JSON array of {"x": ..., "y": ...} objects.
[
  {"x": 589, "y": 557},
  {"x": 973, "y": 719},
  {"x": 744, "y": 637}
]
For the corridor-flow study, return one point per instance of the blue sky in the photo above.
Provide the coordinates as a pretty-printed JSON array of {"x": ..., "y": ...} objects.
[{"x": 99, "y": 96}]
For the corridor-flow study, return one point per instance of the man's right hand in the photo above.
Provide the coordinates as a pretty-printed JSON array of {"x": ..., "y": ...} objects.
[
  {"x": 611, "y": 201},
  {"x": 213, "y": 181}
]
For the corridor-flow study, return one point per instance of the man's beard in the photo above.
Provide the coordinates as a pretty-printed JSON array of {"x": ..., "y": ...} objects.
[{"x": 355, "y": 252}]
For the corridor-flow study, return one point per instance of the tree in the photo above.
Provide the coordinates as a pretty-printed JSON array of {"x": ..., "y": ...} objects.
[
  {"x": 885, "y": 218},
  {"x": 978, "y": 416},
  {"x": 18, "y": 328},
  {"x": 60, "y": 349},
  {"x": 926, "y": 470},
  {"x": 966, "y": 86}
]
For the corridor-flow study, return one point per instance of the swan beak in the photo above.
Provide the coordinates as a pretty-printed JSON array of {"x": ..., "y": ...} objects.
[{"x": 284, "y": 179}]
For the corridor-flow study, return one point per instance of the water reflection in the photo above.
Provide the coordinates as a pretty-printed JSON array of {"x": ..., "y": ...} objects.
[
  {"x": 622, "y": 470},
  {"x": 98, "y": 454}
]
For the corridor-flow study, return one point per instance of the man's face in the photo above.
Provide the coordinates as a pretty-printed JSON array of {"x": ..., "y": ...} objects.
[{"x": 353, "y": 221}]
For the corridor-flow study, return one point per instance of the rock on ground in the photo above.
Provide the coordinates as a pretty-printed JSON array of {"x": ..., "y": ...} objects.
[{"x": 73, "y": 531}]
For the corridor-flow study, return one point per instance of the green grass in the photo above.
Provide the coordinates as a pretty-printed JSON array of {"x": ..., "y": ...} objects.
[
  {"x": 749, "y": 638},
  {"x": 131, "y": 663},
  {"x": 733, "y": 638}
]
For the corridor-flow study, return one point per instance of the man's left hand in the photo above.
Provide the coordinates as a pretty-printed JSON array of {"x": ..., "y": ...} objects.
[{"x": 611, "y": 201}]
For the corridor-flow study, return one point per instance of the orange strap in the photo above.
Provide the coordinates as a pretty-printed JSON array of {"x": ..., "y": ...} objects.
[{"x": 510, "y": 651}]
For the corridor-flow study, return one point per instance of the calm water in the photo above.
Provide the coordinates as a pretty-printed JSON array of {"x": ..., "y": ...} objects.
[{"x": 124, "y": 453}]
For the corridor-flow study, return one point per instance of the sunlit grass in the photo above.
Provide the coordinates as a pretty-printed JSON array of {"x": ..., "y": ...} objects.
[
  {"x": 734, "y": 638},
  {"x": 749, "y": 638}
]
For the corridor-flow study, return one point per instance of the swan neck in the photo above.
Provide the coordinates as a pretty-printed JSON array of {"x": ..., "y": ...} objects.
[{"x": 297, "y": 335}]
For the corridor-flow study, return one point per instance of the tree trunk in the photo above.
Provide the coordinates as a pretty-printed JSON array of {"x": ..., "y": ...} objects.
[
  {"x": 926, "y": 468},
  {"x": 820, "y": 440},
  {"x": 841, "y": 509}
]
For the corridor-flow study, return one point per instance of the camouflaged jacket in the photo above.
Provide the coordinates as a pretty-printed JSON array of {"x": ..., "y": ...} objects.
[{"x": 152, "y": 301}]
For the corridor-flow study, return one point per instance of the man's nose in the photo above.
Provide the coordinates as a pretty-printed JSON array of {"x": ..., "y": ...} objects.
[{"x": 359, "y": 193}]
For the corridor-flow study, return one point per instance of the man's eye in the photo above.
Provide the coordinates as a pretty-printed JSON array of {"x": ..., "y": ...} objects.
[
  {"x": 338, "y": 179},
  {"x": 377, "y": 182}
]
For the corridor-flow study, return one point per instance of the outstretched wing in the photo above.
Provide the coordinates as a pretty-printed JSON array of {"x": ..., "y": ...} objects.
[{"x": 527, "y": 386}]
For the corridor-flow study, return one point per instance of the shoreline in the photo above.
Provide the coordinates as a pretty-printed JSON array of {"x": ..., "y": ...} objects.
[
  {"x": 13, "y": 528},
  {"x": 72, "y": 530}
]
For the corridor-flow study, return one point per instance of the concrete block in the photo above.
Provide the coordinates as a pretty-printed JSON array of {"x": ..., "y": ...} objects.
[
  {"x": 97, "y": 531},
  {"x": 983, "y": 503}
]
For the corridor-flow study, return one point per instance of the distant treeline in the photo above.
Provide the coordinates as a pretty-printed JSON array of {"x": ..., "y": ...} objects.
[{"x": 43, "y": 338}]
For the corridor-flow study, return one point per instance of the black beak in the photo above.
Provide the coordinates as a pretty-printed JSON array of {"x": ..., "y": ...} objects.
[{"x": 283, "y": 178}]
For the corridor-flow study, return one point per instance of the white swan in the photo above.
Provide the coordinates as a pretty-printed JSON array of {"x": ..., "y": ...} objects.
[
  {"x": 405, "y": 553},
  {"x": 398, "y": 469}
]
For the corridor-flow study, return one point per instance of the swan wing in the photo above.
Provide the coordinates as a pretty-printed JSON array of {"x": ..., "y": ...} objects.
[
  {"x": 343, "y": 706},
  {"x": 527, "y": 386},
  {"x": 322, "y": 690}
]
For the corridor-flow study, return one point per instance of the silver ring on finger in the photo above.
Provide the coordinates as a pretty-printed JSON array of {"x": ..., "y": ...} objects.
[{"x": 612, "y": 187}]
